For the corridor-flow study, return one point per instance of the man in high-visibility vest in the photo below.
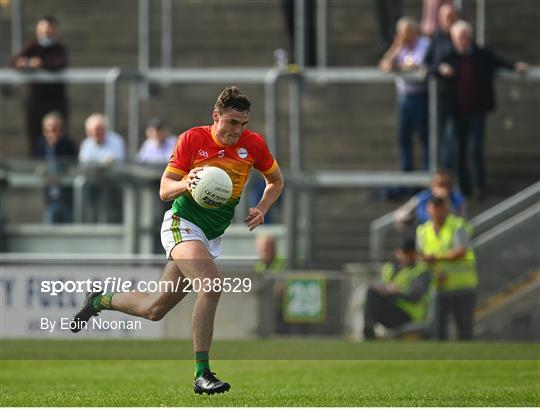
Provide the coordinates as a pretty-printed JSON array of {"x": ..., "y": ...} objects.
[
  {"x": 271, "y": 262},
  {"x": 444, "y": 242},
  {"x": 401, "y": 293},
  {"x": 269, "y": 259}
]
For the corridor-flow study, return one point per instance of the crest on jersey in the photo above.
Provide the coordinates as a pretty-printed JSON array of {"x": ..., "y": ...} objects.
[
  {"x": 242, "y": 153},
  {"x": 203, "y": 153}
]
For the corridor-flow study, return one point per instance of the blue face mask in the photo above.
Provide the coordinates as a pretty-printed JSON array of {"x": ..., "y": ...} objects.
[{"x": 47, "y": 41}]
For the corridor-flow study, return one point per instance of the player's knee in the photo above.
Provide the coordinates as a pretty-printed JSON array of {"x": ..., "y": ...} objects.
[{"x": 155, "y": 313}]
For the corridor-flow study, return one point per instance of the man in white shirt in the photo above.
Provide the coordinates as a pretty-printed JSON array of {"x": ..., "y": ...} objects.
[
  {"x": 159, "y": 144},
  {"x": 101, "y": 145}
]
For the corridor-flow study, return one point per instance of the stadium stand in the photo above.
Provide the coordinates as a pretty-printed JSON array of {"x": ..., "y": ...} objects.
[{"x": 363, "y": 126}]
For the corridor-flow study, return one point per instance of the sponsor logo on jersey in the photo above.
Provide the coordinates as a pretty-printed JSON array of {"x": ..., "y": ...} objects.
[
  {"x": 221, "y": 153},
  {"x": 203, "y": 153},
  {"x": 242, "y": 153}
]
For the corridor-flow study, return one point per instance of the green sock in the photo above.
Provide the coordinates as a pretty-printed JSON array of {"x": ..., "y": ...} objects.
[
  {"x": 201, "y": 362},
  {"x": 102, "y": 301}
]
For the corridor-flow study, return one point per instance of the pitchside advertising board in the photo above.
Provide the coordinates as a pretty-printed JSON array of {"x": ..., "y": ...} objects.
[
  {"x": 28, "y": 311},
  {"x": 304, "y": 298}
]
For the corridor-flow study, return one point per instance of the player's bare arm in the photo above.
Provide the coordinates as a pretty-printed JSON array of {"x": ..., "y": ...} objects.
[
  {"x": 174, "y": 185},
  {"x": 272, "y": 191}
]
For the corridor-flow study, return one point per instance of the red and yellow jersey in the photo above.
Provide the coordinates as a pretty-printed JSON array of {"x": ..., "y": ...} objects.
[{"x": 200, "y": 147}]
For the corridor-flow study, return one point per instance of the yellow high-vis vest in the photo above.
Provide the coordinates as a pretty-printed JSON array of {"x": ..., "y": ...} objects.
[
  {"x": 403, "y": 280},
  {"x": 461, "y": 274}
]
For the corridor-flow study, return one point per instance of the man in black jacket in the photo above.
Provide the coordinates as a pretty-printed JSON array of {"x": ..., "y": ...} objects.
[
  {"x": 471, "y": 70},
  {"x": 439, "y": 48},
  {"x": 59, "y": 152},
  {"x": 46, "y": 52}
]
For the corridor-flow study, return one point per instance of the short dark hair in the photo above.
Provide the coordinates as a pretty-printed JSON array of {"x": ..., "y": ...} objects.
[
  {"x": 156, "y": 123},
  {"x": 408, "y": 245},
  {"x": 438, "y": 201},
  {"x": 49, "y": 19},
  {"x": 443, "y": 172},
  {"x": 233, "y": 98}
]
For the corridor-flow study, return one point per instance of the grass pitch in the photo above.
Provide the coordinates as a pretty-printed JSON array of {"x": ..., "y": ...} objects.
[{"x": 355, "y": 381}]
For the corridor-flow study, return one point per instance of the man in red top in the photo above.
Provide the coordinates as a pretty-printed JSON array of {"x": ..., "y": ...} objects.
[{"x": 192, "y": 235}]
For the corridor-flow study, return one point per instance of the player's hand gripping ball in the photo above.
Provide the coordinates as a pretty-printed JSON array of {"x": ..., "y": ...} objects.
[{"x": 213, "y": 188}]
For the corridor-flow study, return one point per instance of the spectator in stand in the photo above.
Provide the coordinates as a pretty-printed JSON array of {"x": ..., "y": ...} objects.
[
  {"x": 430, "y": 15},
  {"x": 101, "y": 145},
  {"x": 59, "y": 152},
  {"x": 101, "y": 148},
  {"x": 441, "y": 46},
  {"x": 471, "y": 71},
  {"x": 388, "y": 13},
  {"x": 271, "y": 262},
  {"x": 159, "y": 143},
  {"x": 415, "y": 210},
  {"x": 46, "y": 52},
  {"x": 310, "y": 51},
  {"x": 156, "y": 150},
  {"x": 444, "y": 242},
  {"x": 401, "y": 293},
  {"x": 269, "y": 259},
  {"x": 407, "y": 54}
]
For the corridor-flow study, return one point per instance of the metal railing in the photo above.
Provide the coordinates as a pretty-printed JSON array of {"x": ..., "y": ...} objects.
[
  {"x": 167, "y": 35},
  {"x": 481, "y": 223},
  {"x": 299, "y": 180}
]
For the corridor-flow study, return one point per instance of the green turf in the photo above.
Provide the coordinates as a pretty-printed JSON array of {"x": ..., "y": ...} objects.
[{"x": 275, "y": 382}]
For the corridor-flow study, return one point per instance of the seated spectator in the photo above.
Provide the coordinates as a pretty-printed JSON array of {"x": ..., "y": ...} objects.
[
  {"x": 46, "y": 52},
  {"x": 415, "y": 210},
  {"x": 400, "y": 294},
  {"x": 159, "y": 144},
  {"x": 101, "y": 146},
  {"x": 59, "y": 151},
  {"x": 407, "y": 54}
]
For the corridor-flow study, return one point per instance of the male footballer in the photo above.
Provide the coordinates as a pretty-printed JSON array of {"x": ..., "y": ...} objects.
[{"x": 191, "y": 234}]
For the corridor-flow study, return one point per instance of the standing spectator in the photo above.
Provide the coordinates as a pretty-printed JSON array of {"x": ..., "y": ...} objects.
[
  {"x": 269, "y": 259},
  {"x": 388, "y": 13},
  {"x": 440, "y": 47},
  {"x": 430, "y": 14},
  {"x": 101, "y": 145},
  {"x": 271, "y": 262},
  {"x": 159, "y": 144},
  {"x": 444, "y": 242},
  {"x": 471, "y": 70},
  {"x": 416, "y": 207},
  {"x": 310, "y": 45},
  {"x": 46, "y": 52},
  {"x": 401, "y": 293},
  {"x": 406, "y": 54},
  {"x": 59, "y": 152}
]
